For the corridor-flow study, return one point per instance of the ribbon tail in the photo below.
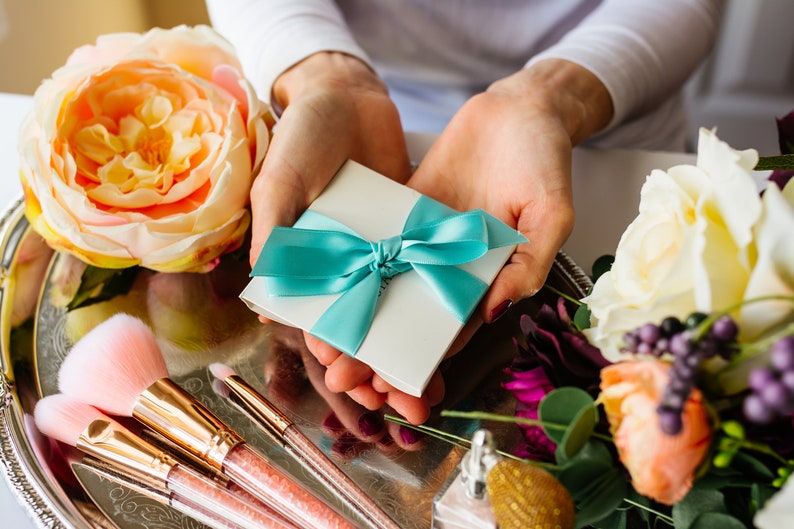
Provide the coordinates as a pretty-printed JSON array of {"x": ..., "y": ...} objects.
[
  {"x": 347, "y": 321},
  {"x": 457, "y": 290}
]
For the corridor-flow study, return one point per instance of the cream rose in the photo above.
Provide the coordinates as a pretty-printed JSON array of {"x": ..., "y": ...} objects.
[
  {"x": 141, "y": 151},
  {"x": 690, "y": 248}
]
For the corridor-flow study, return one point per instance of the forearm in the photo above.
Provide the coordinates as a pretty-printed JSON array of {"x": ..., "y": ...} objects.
[
  {"x": 273, "y": 35},
  {"x": 642, "y": 51}
]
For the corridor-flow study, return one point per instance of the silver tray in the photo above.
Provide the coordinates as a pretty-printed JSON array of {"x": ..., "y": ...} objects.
[{"x": 201, "y": 320}]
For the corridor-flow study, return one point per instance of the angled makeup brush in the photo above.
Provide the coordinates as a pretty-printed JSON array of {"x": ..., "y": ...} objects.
[
  {"x": 284, "y": 431},
  {"x": 119, "y": 368},
  {"x": 81, "y": 425}
]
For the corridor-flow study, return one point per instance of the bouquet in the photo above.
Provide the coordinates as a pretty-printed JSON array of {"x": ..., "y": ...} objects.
[{"x": 666, "y": 396}]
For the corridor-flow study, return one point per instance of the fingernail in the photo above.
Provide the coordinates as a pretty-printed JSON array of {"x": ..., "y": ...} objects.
[
  {"x": 410, "y": 436},
  {"x": 500, "y": 309},
  {"x": 333, "y": 423},
  {"x": 346, "y": 445},
  {"x": 370, "y": 424}
]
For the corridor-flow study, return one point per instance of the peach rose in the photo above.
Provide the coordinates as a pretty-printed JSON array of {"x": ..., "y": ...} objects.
[
  {"x": 661, "y": 466},
  {"x": 141, "y": 151}
]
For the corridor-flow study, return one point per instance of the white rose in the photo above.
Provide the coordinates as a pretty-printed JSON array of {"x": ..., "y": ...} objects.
[{"x": 690, "y": 247}]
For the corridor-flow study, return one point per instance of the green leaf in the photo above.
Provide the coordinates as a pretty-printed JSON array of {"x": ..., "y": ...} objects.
[
  {"x": 596, "y": 486},
  {"x": 578, "y": 433},
  {"x": 616, "y": 520},
  {"x": 102, "y": 284},
  {"x": 563, "y": 406},
  {"x": 716, "y": 520},
  {"x": 602, "y": 265},
  {"x": 783, "y": 161},
  {"x": 696, "y": 503},
  {"x": 581, "y": 318}
]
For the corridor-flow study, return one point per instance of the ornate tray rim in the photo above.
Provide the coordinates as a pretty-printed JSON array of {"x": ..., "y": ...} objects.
[{"x": 46, "y": 504}]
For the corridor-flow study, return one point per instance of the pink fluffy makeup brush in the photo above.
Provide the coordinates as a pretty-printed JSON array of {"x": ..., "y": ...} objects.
[
  {"x": 119, "y": 368},
  {"x": 77, "y": 424},
  {"x": 265, "y": 414}
]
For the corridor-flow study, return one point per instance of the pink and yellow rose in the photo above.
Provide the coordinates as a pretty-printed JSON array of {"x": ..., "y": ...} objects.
[
  {"x": 141, "y": 150},
  {"x": 662, "y": 467}
]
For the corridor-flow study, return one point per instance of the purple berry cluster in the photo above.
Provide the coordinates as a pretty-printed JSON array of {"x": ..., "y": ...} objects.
[
  {"x": 689, "y": 346},
  {"x": 772, "y": 387}
]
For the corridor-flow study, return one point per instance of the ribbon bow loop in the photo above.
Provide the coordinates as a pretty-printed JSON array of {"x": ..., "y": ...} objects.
[{"x": 320, "y": 256}]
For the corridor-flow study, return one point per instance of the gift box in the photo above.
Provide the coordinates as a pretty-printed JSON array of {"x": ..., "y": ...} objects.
[{"x": 381, "y": 272}]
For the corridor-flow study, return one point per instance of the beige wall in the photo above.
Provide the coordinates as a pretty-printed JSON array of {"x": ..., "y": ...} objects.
[{"x": 36, "y": 36}]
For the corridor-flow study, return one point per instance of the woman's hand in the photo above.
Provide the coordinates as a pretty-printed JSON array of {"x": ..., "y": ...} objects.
[
  {"x": 508, "y": 151},
  {"x": 335, "y": 108}
]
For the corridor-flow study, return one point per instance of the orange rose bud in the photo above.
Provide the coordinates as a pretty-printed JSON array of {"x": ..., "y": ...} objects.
[{"x": 661, "y": 466}]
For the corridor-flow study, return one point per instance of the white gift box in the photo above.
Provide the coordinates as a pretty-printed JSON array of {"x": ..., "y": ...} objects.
[{"x": 411, "y": 330}]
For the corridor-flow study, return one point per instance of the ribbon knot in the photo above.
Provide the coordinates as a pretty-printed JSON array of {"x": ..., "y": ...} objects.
[
  {"x": 385, "y": 253},
  {"x": 321, "y": 256}
]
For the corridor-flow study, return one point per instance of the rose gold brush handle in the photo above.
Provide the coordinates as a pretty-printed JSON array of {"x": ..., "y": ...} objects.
[
  {"x": 280, "y": 491},
  {"x": 219, "y": 504},
  {"x": 285, "y": 432},
  {"x": 315, "y": 459}
]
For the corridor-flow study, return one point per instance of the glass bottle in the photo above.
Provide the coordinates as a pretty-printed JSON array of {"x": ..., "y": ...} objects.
[{"x": 463, "y": 503}]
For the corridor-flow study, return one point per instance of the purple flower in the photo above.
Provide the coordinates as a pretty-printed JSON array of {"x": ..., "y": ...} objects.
[
  {"x": 785, "y": 136},
  {"x": 566, "y": 356},
  {"x": 555, "y": 355}
]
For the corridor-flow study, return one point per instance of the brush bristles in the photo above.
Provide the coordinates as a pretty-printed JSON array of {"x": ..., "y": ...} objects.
[
  {"x": 221, "y": 371},
  {"x": 113, "y": 364},
  {"x": 64, "y": 418}
]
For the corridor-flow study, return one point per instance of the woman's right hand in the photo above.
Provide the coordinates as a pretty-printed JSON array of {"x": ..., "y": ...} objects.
[{"x": 335, "y": 108}]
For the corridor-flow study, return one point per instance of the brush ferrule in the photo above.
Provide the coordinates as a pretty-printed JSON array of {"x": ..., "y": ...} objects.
[
  {"x": 174, "y": 413},
  {"x": 108, "y": 441},
  {"x": 259, "y": 408}
]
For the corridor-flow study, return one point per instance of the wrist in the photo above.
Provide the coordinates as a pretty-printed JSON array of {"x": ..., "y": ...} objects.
[
  {"x": 324, "y": 70},
  {"x": 565, "y": 90}
]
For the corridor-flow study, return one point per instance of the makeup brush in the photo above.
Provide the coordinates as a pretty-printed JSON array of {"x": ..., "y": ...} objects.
[
  {"x": 119, "y": 368},
  {"x": 75, "y": 423},
  {"x": 284, "y": 431}
]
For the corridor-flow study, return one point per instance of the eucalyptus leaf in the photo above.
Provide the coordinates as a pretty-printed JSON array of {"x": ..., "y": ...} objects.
[
  {"x": 602, "y": 265},
  {"x": 581, "y": 318},
  {"x": 597, "y": 488},
  {"x": 695, "y": 504},
  {"x": 563, "y": 406},
  {"x": 578, "y": 433},
  {"x": 716, "y": 520}
]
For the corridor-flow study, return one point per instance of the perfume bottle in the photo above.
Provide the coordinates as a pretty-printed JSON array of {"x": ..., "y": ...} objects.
[{"x": 462, "y": 503}]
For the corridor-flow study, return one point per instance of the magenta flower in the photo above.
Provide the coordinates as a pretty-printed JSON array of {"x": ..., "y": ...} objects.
[{"x": 529, "y": 388}]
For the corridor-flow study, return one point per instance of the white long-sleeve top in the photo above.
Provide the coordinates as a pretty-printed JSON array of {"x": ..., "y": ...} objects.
[{"x": 435, "y": 54}]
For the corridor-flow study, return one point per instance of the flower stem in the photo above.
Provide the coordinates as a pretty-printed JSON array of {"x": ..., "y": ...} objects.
[
  {"x": 662, "y": 516},
  {"x": 485, "y": 416},
  {"x": 563, "y": 295},
  {"x": 462, "y": 442},
  {"x": 706, "y": 324}
]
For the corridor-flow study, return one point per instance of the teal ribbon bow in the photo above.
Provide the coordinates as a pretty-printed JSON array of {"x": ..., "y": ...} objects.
[{"x": 321, "y": 256}]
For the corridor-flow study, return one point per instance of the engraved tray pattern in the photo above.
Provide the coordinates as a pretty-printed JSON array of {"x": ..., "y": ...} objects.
[{"x": 199, "y": 320}]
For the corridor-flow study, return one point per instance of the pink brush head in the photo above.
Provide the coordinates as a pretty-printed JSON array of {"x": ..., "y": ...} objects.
[
  {"x": 221, "y": 371},
  {"x": 64, "y": 418},
  {"x": 113, "y": 364}
]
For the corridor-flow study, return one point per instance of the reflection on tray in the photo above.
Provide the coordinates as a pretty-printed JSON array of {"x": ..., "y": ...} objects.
[{"x": 198, "y": 320}]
